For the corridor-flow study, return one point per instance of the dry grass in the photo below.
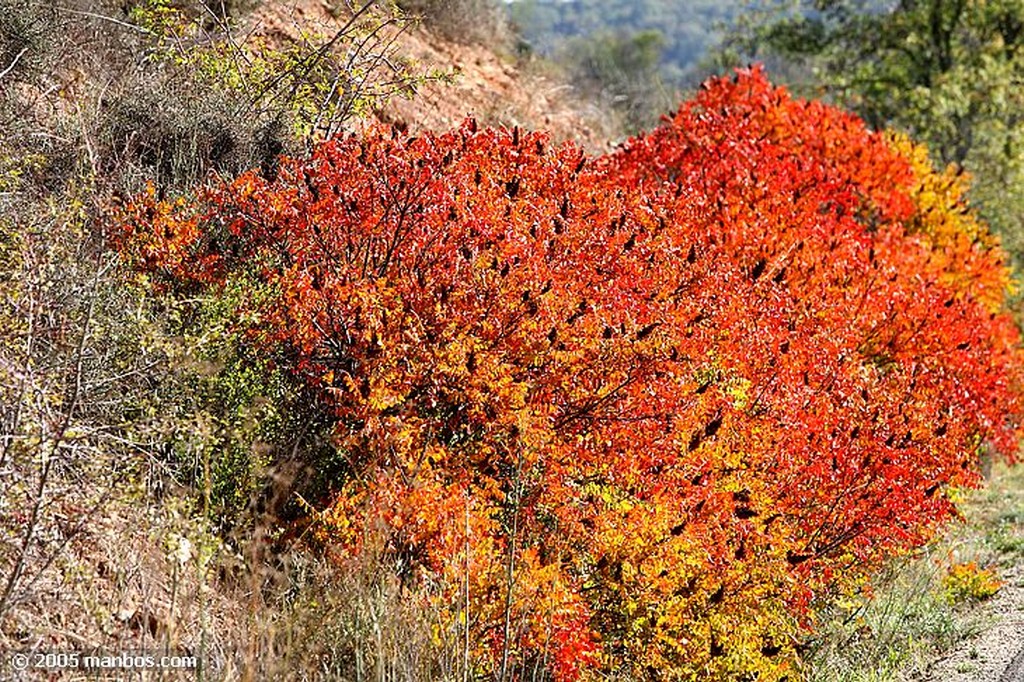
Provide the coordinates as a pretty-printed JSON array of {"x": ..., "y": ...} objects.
[{"x": 145, "y": 574}]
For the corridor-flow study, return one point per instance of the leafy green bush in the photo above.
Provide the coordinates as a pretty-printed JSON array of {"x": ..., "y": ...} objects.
[{"x": 236, "y": 423}]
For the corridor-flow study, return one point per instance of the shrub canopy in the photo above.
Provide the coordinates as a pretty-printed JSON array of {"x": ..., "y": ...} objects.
[{"x": 637, "y": 413}]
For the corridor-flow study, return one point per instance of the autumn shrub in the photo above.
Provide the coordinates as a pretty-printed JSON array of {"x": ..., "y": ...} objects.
[
  {"x": 968, "y": 581},
  {"x": 642, "y": 414}
]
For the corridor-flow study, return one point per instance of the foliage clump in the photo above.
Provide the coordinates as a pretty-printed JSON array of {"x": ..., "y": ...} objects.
[
  {"x": 639, "y": 414},
  {"x": 968, "y": 581}
]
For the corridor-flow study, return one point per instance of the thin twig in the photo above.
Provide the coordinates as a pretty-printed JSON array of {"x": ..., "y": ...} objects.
[
  {"x": 510, "y": 569},
  {"x": 14, "y": 63},
  {"x": 104, "y": 17}
]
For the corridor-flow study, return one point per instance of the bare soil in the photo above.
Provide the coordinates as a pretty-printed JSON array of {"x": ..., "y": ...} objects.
[{"x": 489, "y": 83}]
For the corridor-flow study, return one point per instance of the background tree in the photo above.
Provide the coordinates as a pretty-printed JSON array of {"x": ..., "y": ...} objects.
[
  {"x": 688, "y": 29},
  {"x": 632, "y": 57}
]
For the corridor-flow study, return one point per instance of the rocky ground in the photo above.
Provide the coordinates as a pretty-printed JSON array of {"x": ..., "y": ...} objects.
[{"x": 993, "y": 535}]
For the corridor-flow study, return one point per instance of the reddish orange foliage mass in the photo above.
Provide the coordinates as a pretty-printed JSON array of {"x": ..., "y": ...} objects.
[{"x": 656, "y": 405}]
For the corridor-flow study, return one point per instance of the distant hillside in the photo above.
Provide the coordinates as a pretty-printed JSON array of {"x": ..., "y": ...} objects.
[{"x": 688, "y": 28}]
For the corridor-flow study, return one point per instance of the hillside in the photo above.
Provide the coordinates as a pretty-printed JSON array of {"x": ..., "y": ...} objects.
[
  {"x": 484, "y": 81},
  {"x": 321, "y": 358}
]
